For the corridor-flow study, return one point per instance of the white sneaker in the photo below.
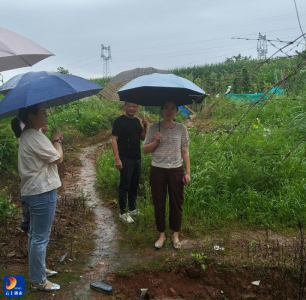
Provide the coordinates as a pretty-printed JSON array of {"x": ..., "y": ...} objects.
[
  {"x": 135, "y": 212},
  {"x": 126, "y": 218}
]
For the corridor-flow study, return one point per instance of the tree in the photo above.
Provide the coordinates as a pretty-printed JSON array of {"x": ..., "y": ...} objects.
[
  {"x": 246, "y": 86},
  {"x": 238, "y": 57},
  {"x": 62, "y": 70}
]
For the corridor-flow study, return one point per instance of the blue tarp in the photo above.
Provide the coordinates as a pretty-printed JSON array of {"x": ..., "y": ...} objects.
[
  {"x": 183, "y": 110},
  {"x": 254, "y": 97}
]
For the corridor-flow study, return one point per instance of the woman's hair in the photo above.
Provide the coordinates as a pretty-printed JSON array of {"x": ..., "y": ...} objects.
[
  {"x": 162, "y": 106},
  {"x": 26, "y": 111},
  {"x": 16, "y": 127}
]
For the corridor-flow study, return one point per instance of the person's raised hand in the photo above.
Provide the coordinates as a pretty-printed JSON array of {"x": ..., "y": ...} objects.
[
  {"x": 158, "y": 136},
  {"x": 56, "y": 134},
  {"x": 44, "y": 129}
]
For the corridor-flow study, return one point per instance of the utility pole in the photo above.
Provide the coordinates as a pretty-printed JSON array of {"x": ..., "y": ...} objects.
[
  {"x": 262, "y": 48},
  {"x": 106, "y": 56}
]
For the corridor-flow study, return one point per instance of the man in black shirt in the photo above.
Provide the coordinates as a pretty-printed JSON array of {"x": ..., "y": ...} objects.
[{"x": 126, "y": 135}]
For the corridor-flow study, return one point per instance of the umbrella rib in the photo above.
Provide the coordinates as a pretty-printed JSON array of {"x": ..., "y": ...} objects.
[{"x": 25, "y": 61}]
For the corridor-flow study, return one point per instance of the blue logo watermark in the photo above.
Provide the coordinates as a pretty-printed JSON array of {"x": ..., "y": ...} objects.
[{"x": 13, "y": 286}]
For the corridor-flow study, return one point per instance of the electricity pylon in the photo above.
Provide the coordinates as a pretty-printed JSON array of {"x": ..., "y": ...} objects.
[
  {"x": 262, "y": 48},
  {"x": 106, "y": 56}
]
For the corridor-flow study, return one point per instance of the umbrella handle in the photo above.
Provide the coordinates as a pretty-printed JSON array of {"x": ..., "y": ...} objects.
[{"x": 52, "y": 115}]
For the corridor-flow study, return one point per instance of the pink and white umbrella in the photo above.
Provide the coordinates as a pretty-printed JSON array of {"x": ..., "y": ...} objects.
[{"x": 17, "y": 51}]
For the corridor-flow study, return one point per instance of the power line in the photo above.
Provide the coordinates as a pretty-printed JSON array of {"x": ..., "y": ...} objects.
[
  {"x": 217, "y": 39},
  {"x": 225, "y": 54},
  {"x": 297, "y": 13},
  {"x": 192, "y": 63},
  {"x": 201, "y": 41},
  {"x": 209, "y": 29},
  {"x": 148, "y": 57},
  {"x": 188, "y": 52},
  {"x": 212, "y": 28}
]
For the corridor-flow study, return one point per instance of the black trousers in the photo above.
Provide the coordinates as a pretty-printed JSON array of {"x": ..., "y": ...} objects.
[
  {"x": 161, "y": 180},
  {"x": 129, "y": 182}
]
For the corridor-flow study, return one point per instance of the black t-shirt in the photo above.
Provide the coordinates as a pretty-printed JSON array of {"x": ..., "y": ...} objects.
[{"x": 128, "y": 132}]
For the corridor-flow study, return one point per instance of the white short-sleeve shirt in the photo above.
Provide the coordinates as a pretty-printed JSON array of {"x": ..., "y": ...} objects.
[
  {"x": 168, "y": 154},
  {"x": 35, "y": 155}
]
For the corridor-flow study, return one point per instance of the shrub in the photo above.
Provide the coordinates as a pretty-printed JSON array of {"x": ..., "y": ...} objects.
[{"x": 7, "y": 208}]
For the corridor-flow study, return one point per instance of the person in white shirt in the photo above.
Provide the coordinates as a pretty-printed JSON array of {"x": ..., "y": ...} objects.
[
  {"x": 38, "y": 158},
  {"x": 168, "y": 143},
  {"x": 17, "y": 126}
]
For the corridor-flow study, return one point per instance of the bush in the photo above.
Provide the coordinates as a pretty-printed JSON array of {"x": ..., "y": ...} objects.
[
  {"x": 229, "y": 169},
  {"x": 7, "y": 208},
  {"x": 88, "y": 115}
]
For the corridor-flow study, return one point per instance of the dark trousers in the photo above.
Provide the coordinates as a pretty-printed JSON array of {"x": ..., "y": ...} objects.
[
  {"x": 129, "y": 182},
  {"x": 160, "y": 180}
]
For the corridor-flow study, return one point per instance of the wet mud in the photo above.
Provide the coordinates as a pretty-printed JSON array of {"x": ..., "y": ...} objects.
[
  {"x": 105, "y": 232},
  {"x": 167, "y": 273}
]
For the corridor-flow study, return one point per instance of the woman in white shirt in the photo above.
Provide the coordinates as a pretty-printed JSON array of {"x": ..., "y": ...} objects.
[
  {"x": 37, "y": 166},
  {"x": 17, "y": 127},
  {"x": 168, "y": 142}
]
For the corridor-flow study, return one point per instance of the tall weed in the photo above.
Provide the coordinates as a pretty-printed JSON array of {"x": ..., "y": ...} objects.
[{"x": 229, "y": 169}]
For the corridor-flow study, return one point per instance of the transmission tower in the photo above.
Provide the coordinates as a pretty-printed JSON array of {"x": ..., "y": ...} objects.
[
  {"x": 106, "y": 56},
  {"x": 262, "y": 48}
]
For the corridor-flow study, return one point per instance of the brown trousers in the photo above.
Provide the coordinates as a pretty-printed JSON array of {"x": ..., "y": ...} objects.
[{"x": 160, "y": 179}]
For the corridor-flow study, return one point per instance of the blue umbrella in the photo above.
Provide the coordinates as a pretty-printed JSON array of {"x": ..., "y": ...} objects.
[
  {"x": 155, "y": 89},
  {"x": 53, "y": 89},
  {"x": 23, "y": 78}
]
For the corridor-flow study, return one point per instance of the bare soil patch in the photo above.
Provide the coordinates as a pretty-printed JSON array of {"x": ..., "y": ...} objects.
[{"x": 85, "y": 233}]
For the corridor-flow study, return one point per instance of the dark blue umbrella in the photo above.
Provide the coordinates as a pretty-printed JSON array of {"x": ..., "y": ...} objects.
[
  {"x": 23, "y": 78},
  {"x": 155, "y": 89},
  {"x": 53, "y": 89}
]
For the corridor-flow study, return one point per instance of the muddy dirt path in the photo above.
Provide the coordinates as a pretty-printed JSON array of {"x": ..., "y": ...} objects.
[
  {"x": 105, "y": 232},
  {"x": 178, "y": 283}
]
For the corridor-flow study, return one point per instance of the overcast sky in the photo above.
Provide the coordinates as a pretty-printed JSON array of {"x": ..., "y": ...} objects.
[{"x": 164, "y": 34}]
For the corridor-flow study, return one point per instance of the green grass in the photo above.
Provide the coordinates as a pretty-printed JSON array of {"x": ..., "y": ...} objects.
[{"x": 227, "y": 187}]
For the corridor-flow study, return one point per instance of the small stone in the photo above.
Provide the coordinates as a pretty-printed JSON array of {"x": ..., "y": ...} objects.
[
  {"x": 157, "y": 282},
  {"x": 214, "y": 293},
  {"x": 172, "y": 291},
  {"x": 11, "y": 254}
]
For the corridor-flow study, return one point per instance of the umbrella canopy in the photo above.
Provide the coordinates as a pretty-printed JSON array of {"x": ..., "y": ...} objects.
[
  {"x": 17, "y": 51},
  {"x": 23, "y": 78},
  {"x": 155, "y": 89},
  {"x": 53, "y": 90},
  {"x": 110, "y": 91}
]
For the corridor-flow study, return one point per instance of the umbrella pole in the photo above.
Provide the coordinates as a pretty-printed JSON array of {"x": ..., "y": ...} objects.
[
  {"x": 160, "y": 114},
  {"x": 52, "y": 115}
]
